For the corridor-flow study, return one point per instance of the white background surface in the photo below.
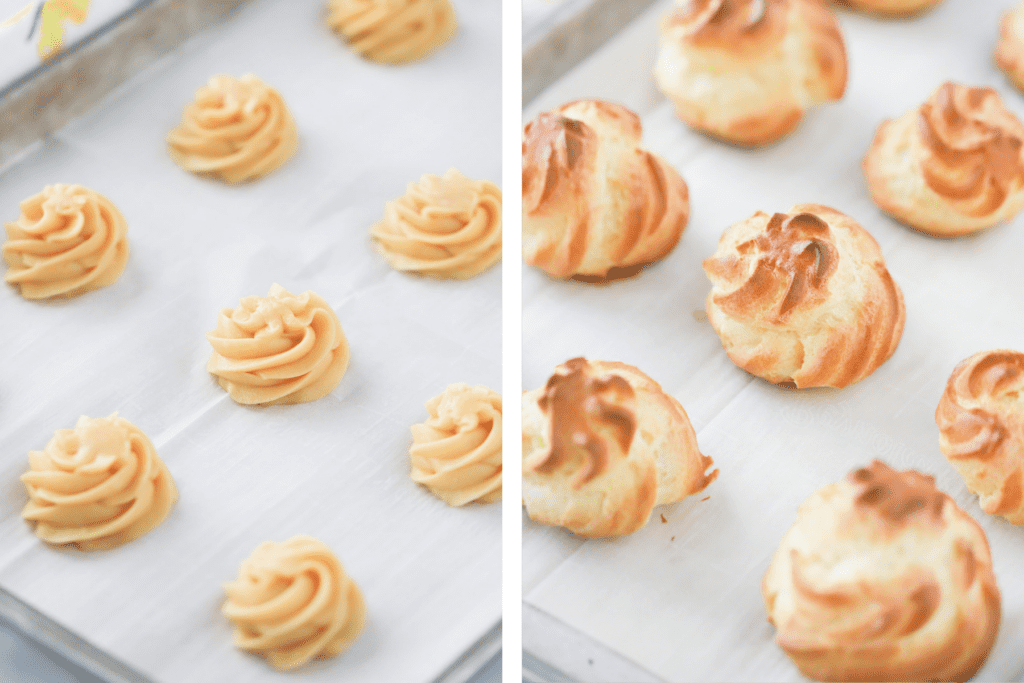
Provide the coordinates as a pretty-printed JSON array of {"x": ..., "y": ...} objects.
[
  {"x": 682, "y": 599},
  {"x": 336, "y": 469}
]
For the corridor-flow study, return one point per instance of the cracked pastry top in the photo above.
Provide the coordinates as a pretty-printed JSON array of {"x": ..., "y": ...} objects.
[
  {"x": 97, "y": 486},
  {"x": 952, "y": 166},
  {"x": 602, "y": 445},
  {"x": 393, "y": 31},
  {"x": 443, "y": 226},
  {"x": 279, "y": 349},
  {"x": 883, "y": 578},
  {"x": 68, "y": 240},
  {"x": 804, "y": 298},
  {"x": 981, "y": 429},
  {"x": 597, "y": 206},
  {"x": 746, "y": 71},
  {"x": 236, "y": 129}
]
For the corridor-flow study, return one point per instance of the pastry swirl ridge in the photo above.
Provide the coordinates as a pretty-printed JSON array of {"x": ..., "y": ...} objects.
[
  {"x": 68, "y": 240},
  {"x": 602, "y": 445},
  {"x": 1010, "y": 48},
  {"x": 236, "y": 129},
  {"x": 804, "y": 298},
  {"x": 97, "y": 486},
  {"x": 981, "y": 429},
  {"x": 883, "y": 578},
  {"x": 444, "y": 226},
  {"x": 293, "y": 602},
  {"x": 890, "y": 8},
  {"x": 279, "y": 349},
  {"x": 747, "y": 70},
  {"x": 393, "y": 31},
  {"x": 456, "y": 453},
  {"x": 951, "y": 167},
  {"x": 595, "y": 205}
]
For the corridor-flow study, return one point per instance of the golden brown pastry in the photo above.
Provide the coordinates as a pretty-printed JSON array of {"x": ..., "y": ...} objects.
[
  {"x": 981, "y": 429},
  {"x": 393, "y": 31},
  {"x": 595, "y": 205},
  {"x": 602, "y": 445},
  {"x": 890, "y": 8},
  {"x": 97, "y": 486},
  {"x": 747, "y": 70},
  {"x": 456, "y": 453},
  {"x": 883, "y": 578},
  {"x": 444, "y": 226},
  {"x": 1010, "y": 48},
  {"x": 804, "y": 298},
  {"x": 68, "y": 240},
  {"x": 952, "y": 166},
  {"x": 281, "y": 348},
  {"x": 236, "y": 129},
  {"x": 293, "y": 602}
]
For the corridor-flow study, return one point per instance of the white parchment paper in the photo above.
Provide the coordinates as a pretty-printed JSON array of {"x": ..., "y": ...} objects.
[
  {"x": 682, "y": 598},
  {"x": 336, "y": 469}
]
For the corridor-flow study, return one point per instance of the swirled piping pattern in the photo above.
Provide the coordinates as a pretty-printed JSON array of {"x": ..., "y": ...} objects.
[
  {"x": 973, "y": 162},
  {"x": 97, "y": 486},
  {"x": 293, "y": 602},
  {"x": 236, "y": 129},
  {"x": 595, "y": 205},
  {"x": 393, "y": 31},
  {"x": 981, "y": 429},
  {"x": 456, "y": 453},
  {"x": 444, "y": 226},
  {"x": 789, "y": 310},
  {"x": 883, "y": 578},
  {"x": 68, "y": 240},
  {"x": 282, "y": 348}
]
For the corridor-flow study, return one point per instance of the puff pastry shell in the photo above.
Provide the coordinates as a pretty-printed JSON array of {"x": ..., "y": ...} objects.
[{"x": 602, "y": 445}]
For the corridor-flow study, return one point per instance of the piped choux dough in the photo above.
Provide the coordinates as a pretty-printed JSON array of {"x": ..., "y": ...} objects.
[{"x": 393, "y": 31}]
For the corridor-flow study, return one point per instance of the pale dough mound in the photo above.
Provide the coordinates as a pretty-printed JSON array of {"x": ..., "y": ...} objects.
[
  {"x": 98, "y": 485},
  {"x": 67, "y": 241},
  {"x": 393, "y": 31},
  {"x": 281, "y": 348},
  {"x": 236, "y": 129},
  {"x": 456, "y": 453},
  {"x": 292, "y": 602},
  {"x": 444, "y": 226}
]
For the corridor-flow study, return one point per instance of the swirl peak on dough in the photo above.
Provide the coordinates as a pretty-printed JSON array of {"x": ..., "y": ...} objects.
[
  {"x": 236, "y": 129},
  {"x": 68, "y": 240},
  {"x": 602, "y": 445},
  {"x": 393, "y": 31},
  {"x": 804, "y": 298},
  {"x": 444, "y": 226},
  {"x": 281, "y": 348},
  {"x": 951, "y": 167},
  {"x": 293, "y": 602},
  {"x": 97, "y": 486},
  {"x": 1010, "y": 48},
  {"x": 596, "y": 206},
  {"x": 981, "y": 429},
  {"x": 456, "y": 453},
  {"x": 746, "y": 71},
  {"x": 883, "y": 578}
]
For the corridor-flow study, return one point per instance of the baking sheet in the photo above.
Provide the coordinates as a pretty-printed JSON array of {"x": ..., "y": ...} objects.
[
  {"x": 337, "y": 468},
  {"x": 682, "y": 598}
]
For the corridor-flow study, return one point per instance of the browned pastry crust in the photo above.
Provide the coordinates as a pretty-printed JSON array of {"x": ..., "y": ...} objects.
[
  {"x": 952, "y": 166},
  {"x": 747, "y": 70},
  {"x": 602, "y": 445},
  {"x": 981, "y": 429},
  {"x": 890, "y": 8},
  {"x": 804, "y": 298},
  {"x": 595, "y": 205},
  {"x": 883, "y": 578},
  {"x": 1010, "y": 48}
]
